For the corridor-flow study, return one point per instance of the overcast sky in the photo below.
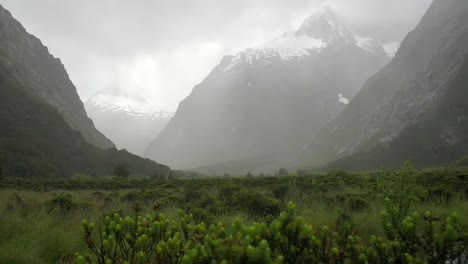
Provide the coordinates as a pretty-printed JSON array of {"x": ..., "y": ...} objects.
[{"x": 157, "y": 50}]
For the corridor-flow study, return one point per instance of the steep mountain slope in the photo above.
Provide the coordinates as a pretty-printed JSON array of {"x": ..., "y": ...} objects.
[
  {"x": 257, "y": 108},
  {"x": 416, "y": 107},
  {"x": 36, "y": 139},
  {"x": 129, "y": 123},
  {"x": 36, "y": 69}
]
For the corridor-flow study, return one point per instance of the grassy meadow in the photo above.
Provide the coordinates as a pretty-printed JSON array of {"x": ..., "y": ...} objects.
[{"x": 41, "y": 219}]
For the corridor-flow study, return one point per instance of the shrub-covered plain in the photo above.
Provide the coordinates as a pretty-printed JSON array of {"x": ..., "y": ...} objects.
[{"x": 404, "y": 216}]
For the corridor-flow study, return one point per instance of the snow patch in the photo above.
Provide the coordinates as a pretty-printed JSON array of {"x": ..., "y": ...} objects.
[
  {"x": 365, "y": 43},
  {"x": 343, "y": 99},
  {"x": 127, "y": 105}
]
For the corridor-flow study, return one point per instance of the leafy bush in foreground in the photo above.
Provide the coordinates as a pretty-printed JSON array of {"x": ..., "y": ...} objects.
[{"x": 287, "y": 239}]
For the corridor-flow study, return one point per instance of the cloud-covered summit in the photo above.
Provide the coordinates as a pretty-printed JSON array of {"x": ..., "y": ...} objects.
[{"x": 158, "y": 50}]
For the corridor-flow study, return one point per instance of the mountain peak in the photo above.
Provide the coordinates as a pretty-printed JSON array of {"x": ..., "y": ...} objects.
[
  {"x": 324, "y": 24},
  {"x": 320, "y": 31}
]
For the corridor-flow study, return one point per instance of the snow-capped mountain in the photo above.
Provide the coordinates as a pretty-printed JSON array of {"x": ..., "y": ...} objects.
[
  {"x": 45, "y": 131},
  {"x": 128, "y": 106},
  {"x": 415, "y": 108},
  {"x": 129, "y": 123},
  {"x": 318, "y": 32},
  {"x": 258, "y": 107}
]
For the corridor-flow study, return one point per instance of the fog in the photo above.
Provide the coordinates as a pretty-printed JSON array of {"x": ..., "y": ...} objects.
[{"x": 157, "y": 51}]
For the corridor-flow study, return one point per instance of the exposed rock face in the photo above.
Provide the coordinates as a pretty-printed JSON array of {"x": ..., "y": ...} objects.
[
  {"x": 257, "y": 108},
  {"x": 416, "y": 107},
  {"x": 36, "y": 69},
  {"x": 129, "y": 123}
]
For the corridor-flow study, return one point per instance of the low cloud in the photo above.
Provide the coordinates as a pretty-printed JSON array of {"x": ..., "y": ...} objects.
[{"x": 158, "y": 50}]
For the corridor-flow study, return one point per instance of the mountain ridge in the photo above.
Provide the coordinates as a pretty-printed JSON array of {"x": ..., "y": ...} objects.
[
  {"x": 44, "y": 130},
  {"x": 406, "y": 93},
  {"x": 251, "y": 106},
  {"x": 46, "y": 76}
]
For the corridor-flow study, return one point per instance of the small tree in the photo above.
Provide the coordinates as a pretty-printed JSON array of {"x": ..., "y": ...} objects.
[
  {"x": 121, "y": 170},
  {"x": 283, "y": 172},
  {"x": 402, "y": 188},
  {"x": 227, "y": 176},
  {"x": 249, "y": 175}
]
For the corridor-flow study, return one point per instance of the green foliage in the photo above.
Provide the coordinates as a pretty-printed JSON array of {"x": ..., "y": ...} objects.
[
  {"x": 202, "y": 215},
  {"x": 258, "y": 204},
  {"x": 121, "y": 170},
  {"x": 36, "y": 141},
  {"x": 283, "y": 172},
  {"x": 422, "y": 238},
  {"x": 338, "y": 174},
  {"x": 287, "y": 239},
  {"x": 61, "y": 203},
  {"x": 402, "y": 188},
  {"x": 349, "y": 206}
]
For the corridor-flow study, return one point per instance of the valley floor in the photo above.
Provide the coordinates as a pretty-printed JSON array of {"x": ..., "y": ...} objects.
[{"x": 41, "y": 219}]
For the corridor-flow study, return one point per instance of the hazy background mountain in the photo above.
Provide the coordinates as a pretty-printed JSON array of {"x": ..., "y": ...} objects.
[
  {"x": 30, "y": 63},
  {"x": 44, "y": 130},
  {"x": 157, "y": 51},
  {"x": 131, "y": 124},
  {"x": 258, "y": 108},
  {"x": 415, "y": 108}
]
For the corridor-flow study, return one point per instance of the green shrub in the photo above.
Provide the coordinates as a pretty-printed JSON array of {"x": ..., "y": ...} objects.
[
  {"x": 422, "y": 238},
  {"x": 280, "y": 192},
  {"x": 357, "y": 203},
  {"x": 61, "y": 203},
  {"x": 130, "y": 197},
  {"x": 402, "y": 188},
  {"x": 287, "y": 239},
  {"x": 258, "y": 204},
  {"x": 228, "y": 193},
  {"x": 202, "y": 215},
  {"x": 121, "y": 170}
]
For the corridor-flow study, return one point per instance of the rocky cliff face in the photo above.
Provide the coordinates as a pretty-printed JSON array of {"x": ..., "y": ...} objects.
[
  {"x": 257, "y": 108},
  {"x": 415, "y": 108},
  {"x": 37, "y": 70}
]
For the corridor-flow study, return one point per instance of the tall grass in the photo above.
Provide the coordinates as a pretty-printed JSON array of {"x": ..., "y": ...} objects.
[{"x": 31, "y": 233}]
